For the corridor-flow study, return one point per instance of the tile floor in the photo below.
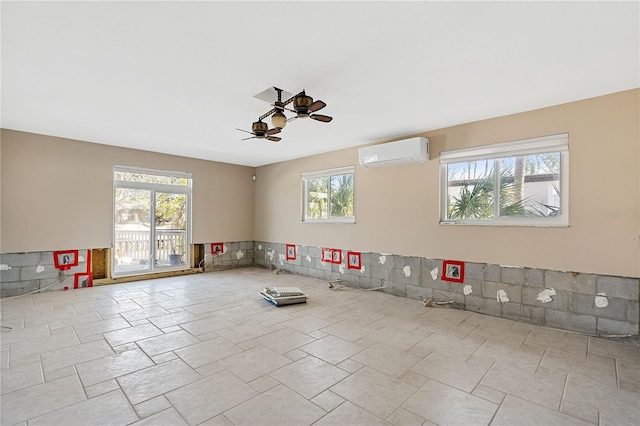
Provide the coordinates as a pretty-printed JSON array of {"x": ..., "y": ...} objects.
[{"x": 208, "y": 350}]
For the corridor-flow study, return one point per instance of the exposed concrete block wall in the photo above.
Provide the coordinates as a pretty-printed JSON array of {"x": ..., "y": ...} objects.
[
  {"x": 236, "y": 254},
  {"x": 22, "y": 273},
  {"x": 588, "y": 303}
]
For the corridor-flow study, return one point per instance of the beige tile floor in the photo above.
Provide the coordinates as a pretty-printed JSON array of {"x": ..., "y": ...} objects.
[{"x": 207, "y": 349}]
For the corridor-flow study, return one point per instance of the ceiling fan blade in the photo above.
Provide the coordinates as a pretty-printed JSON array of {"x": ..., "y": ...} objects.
[
  {"x": 316, "y": 106},
  {"x": 246, "y": 131},
  {"x": 273, "y": 138},
  {"x": 252, "y": 137},
  {"x": 292, "y": 118},
  {"x": 273, "y": 131},
  {"x": 320, "y": 117}
]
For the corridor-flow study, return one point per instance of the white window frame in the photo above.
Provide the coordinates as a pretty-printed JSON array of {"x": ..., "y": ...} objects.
[
  {"x": 546, "y": 144},
  {"x": 327, "y": 173}
]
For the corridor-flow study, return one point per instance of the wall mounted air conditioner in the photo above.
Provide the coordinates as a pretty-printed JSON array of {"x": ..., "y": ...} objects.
[{"x": 414, "y": 150}]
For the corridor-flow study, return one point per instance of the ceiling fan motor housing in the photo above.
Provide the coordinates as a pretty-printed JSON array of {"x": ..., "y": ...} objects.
[
  {"x": 301, "y": 105},
  {"x": 260, "y": 129}
]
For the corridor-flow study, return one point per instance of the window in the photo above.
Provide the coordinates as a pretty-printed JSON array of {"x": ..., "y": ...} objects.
[
  {"x": 152, "y": 215},
  {"x": 328, "y": 195},
  {"x": 515, "y": 183}
]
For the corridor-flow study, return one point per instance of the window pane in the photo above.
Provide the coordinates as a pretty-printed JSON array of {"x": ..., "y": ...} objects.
[
  {"x": 148, "y": 178},
  {"x": 530, "y": 185},
  {"x": 470, "y": 190},
  {"x": 132, "y": 251},
  {"x": 317, "y": 198},
  {"x": 342, "y": 195}
]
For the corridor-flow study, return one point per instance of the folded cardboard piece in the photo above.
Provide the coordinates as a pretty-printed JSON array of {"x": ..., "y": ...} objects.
[{"x": 281, "y": 296}]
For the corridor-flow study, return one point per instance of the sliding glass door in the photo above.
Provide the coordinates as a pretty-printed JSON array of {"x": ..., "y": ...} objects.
[{"x": 151, "y": 221}]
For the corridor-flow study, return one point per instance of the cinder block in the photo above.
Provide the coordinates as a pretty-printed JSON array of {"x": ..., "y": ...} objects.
[
  {"x": 414, "y": 263},
  {"x": 414, "y": 292},
  {"x": 534, "y": 277},
  {"x": 476, "y": 286},
  {"x": 474, "y": 271},
  {"x": 398, "y": 274},
  {"x": 623, "y": 288},
  {"x": 396, "y": 288},
  {"x": 632, "y": 312},
  {"x": 512, "y": 275},
  {"x": 483, "y": 306},
  {"x": 438, "y": 284},
  {"x": 302, "y": 251},
  {"x": 8, "y": 289},
  {"x": 12, "y": 259},
  {"x": 242, "y": 245},
  {"x": 520, "y": 312},
  {"x": 31, "y": 259},
  {"x": 246, "y": 262},
  {"x": 560, "y": 300},
  {"x": 301, "y": 270},
  {"x": 609, "y": 326},
  {"x": 29, "y": 273},
  {"x": 10, "y": 275},
  {"x": 379, "y": 271},
  {"x": 258, "y": 262},
  {"x": 364, "y": 282},
  {"x": 373, "y": 283},
  {"x": 455, "y": 287},
  {"x": 584, "y": 304},
  {"x": 366, "y": 259},
  {"x": 561, "y": 281},
  {"x": 492, "y": 273},
  {"x": 490, "y": 291},
  {"x": 570, "y": 321},
  {"x": 233, "y": 246},
  {"x": 315, "y": 252}
]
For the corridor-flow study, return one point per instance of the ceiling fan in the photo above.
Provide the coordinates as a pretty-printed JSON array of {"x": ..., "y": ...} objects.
[
  {"x": 303, "y": 106},
  {"x": 260, "y": 130}
]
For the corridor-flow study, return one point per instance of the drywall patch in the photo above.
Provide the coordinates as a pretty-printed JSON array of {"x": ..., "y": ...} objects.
[
  {"x": 81, "y": 259},
  {"x": 362, "y": 269},
  {"x": 259, "y": 246},
  {"x": 382, "y": 259},
  {"x": 467, "y": 290},
  {"x": 240, "y": 254},
  {"x": 4, "y": 267},
  {"x": 341, "y": 268},
  {"x": 39, "y": 269},
  {"x": 602, "y": 301},
  {"x": 407, "y": 271},
  {"x": 502, "y": 296},
  {"x": 281, "y": 258},
  {"x": 545, "y": 295},
  {"x": 434, "y": 274},
  {"x": 308, "y": 258},
  {"x": 270, "y": 253}
]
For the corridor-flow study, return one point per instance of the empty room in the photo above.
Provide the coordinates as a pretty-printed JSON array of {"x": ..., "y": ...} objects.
[{"x": 319, "y": 213}]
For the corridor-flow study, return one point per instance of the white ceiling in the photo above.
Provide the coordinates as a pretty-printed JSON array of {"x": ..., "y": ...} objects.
[{"x": 179, "y": 77}]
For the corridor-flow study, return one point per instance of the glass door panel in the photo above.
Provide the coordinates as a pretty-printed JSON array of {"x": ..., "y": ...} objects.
[
  {"x": 133, "y": 248},
  {"x": 171, "y": 248}
]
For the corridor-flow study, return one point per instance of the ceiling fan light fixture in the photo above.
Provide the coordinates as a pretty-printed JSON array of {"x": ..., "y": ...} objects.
[{"x": 278, "y": 120}]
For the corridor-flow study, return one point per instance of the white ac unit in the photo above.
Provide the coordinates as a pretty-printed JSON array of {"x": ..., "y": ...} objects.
[{"x": 413, "y": 150}]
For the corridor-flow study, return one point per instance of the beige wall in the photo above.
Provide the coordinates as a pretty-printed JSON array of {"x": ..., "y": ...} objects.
[
  {"x": 397, "y": 208},
  {"x": 58, "y": 193}
]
